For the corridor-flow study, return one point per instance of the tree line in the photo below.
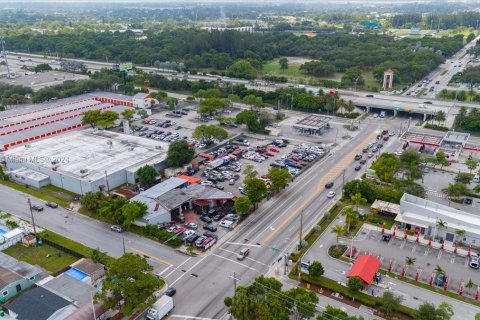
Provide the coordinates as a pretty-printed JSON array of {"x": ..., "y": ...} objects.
[{"x": 242, "y": 54}]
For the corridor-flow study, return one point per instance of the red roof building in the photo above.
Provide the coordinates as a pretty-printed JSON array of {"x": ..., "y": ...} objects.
[{"x": 365, "y": 268}]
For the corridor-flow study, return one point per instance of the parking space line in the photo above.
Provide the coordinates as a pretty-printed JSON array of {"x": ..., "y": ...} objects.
[
  {"x": 452, "y": 260},
  {"x": 414, "y": 248},
  {"x": 439, "y": 256},
  {"x": 426, "y": 251},
  {"x": 403, "y": 244}
]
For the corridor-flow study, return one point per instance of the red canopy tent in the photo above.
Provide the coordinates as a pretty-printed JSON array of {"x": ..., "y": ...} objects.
[{"x": 365, "y": 268}]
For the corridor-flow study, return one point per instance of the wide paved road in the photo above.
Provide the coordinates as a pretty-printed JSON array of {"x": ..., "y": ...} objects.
[{"x": 269, "y": 233}]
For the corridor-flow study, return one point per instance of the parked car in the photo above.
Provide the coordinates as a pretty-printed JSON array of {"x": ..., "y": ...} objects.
[
  {"x": 206, "y": 219},
  {"x": 440, "y": 279},
  {"x": 474, "y": 262},
  {"x": 232, "y": 217},
  {"x": 386, "y": 237},
  {"x": 357, "y": 168},
  {"x": 191, "y": 225},
  {"x": 52, "y": 205},
  {"x": 117, "y": 228},
  {"x": 331, "y": 194},
  {"x": 243, "y": 254},
  {"x": 358, "y": 157},
  {"x": 37, "y": 207},
  {"x": 210, "y": 234},
  {"x": 350, "y": 253},
  {"x": 192, "y": 238},
  {"x": 363, "y": 161},
  {"x": 210, "y": 227}
]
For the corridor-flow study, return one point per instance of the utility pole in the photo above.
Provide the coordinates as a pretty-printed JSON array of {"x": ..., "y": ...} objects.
[
  {"x": 2, "y": 41},
  {"x": 300, "y": 234},
  {"x": 123, "y": 242},
  {"x": 286, "y": 265},
  {"x": 33, "y": 219}
]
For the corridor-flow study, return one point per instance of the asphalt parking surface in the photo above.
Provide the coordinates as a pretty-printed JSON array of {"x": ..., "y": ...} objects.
[{"x": 427, "y": 258}]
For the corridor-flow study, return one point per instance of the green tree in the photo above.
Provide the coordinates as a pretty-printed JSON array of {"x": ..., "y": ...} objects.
[
  {"x": 333, "y": 313},
  {"x": 390, "y": 303},
  {"x": 358, "y": 199},
  {"x": 242, "y": 205},
  {"x": 99, "y": 256},
  {"x": 440, "y": 116},
  {"x": 353, "y": 76},
  {"x": 441, "y": 158},
  {"x": 91, "y": 201},
  {"x": 350, "y": 218},
  {"x": 283, "y": 63},
  {"x": 250, "y": 119},
  {"x": 129, "y": 279},
  {"x": 147, "y": 175},
  {"x": 209, "y": 132},
  {"x": 456, "y": 189},
  {"x": 111, "y": 209},
  {"x": 338, "y": 230},
  {"x": 242, "y": 69},
  {"x": 409, "y": 161},
  {"x": 355, "y": 284},
  {"x": 302, "y": 302},
  {"x": 256, "y": 190},
  {"x": 261, "y": 300},
  {"x": 477, "y": 188},
  {"x": 91, "y": 117},
  {"x": 171, "y": 102},
  {"x": 318, "y": 68},
  {"x": 279, "y": 177},
  {"x": 410, "y": 261},
  {"x": 250, "y": 172},
  {"x": 386, "y": 167},
  {"x": 128, "y": 114},
  {"x": 143, "y": 113},
  {"x": 460, "y": 234},
  {"x": 179, "y": 153},
  {"x": 132, "y": 211},
  {"x": 463, "y": 177},
  {"x": 428, "y": 311},
  {"x": 315, "y": 269},
  {"x": 253, "y": 100},
  {"x": 477, "y": 316},
  {"x": 42, "y": 67},
  {"x": 107, "y": 118},
  {"x": 211, "y": 106},
  {"x": 472, "y": 164},
  {"x": 3, "y": 175}
]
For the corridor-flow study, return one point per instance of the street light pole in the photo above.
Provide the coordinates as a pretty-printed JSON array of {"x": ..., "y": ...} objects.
[{"x": 33, "y": 219}]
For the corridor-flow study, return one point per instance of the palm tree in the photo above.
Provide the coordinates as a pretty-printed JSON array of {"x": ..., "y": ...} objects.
[
  {"x": 460, "y": 234},
  {"x": 439, "y": 269},
  {"x": 358, "y": 200},
  {"x": 440, "y": 224},
  {"x": 350, "y": 216},
  {"x": 469, "y": 284},
  {"x": 338, "y": 230},
  {"x": 409, "y": 261}
]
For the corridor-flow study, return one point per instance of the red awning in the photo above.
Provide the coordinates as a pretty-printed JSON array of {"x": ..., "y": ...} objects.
[
  {"x": 189, "y": 179},
  {"x": 365, "y": 268}
]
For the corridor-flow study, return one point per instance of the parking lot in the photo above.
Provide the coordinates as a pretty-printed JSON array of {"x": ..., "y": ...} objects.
[{"x": 393, "y": 253}]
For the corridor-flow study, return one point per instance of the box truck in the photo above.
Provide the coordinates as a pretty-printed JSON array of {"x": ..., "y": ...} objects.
[{"x": 160, "y": 308}]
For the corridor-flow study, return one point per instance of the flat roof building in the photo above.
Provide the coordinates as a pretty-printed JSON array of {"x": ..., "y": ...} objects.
[
  {"x": 88, "y": 160},
  {"x": 421, "y": 215},
  {"x": 312, "y": 124}
]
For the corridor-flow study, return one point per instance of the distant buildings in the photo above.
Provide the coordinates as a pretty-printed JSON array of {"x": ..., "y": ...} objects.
[
  {"x": 249, "y": 29},
  {"x": 415, "y": 31}
]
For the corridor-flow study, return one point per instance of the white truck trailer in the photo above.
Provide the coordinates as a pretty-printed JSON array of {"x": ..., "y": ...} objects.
[{"x": 160, "y": 308}]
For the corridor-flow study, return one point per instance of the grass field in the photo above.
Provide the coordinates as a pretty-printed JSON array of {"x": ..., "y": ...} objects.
[
  {"x": 49, "y": 193},
  {"x": 274, "y": 69},
  {"x": 45, "y": 256}
]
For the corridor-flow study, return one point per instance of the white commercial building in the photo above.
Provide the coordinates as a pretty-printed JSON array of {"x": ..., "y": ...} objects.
[
  {"x": 421, "y": 215},
  {"x": 141, "y": 100},
  {"x": 87, "y": 160}
]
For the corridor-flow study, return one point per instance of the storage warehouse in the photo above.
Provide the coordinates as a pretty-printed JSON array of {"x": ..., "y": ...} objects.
[
  {"x": 29, "y": 123},
  {"x": 87, "y": 160}
]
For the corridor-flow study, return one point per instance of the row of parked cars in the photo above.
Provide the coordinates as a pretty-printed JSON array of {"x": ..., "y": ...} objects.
[{"x": 300, "y": 157}]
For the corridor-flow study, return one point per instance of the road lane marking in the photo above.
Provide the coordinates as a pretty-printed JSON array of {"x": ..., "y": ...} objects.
[
  {"x": 164, "y": 270},
  {"x": 248, "y": 258},
  {"x": 342, "y": 164},
  {"x": 188, "y": 271},
  {"x": 162, "y": 261},
  {"x": 244, "y": 244},
  {"x": 189, "y": 317},
  {"x": 177, "y": 267},
  {"x": 231, "y": 260}
]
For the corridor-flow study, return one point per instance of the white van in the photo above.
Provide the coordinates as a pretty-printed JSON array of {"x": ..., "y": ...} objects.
[{"x": 476, "y": 179}]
